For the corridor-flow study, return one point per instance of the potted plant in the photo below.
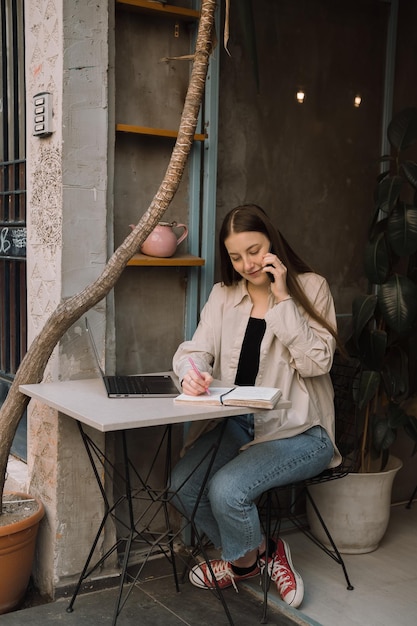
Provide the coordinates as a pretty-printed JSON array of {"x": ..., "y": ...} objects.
[
  {"x": 19, "y": 523},
  {"x": 384, "y": 337}
]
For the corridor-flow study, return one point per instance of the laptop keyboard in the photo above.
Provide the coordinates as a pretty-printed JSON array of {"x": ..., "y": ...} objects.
[
  {"x": 126, "y": 384},
  {"x": 137, "y": 385}
]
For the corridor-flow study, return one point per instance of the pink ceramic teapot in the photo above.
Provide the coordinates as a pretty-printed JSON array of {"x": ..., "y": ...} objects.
[{"x": 163, "y": 241}]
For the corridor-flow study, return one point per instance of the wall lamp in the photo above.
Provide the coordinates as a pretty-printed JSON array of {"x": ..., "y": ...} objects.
[{"x": 300, "y": 96}]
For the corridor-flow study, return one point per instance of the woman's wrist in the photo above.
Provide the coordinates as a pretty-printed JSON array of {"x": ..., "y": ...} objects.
[{"x": 279, "y": 300}]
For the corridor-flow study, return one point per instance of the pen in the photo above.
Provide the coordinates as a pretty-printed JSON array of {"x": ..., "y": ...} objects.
[{"x": 197, "y": 371}]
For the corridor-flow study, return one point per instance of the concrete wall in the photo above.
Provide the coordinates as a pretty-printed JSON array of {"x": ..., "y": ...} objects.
[{"x": 67, "y": 55}]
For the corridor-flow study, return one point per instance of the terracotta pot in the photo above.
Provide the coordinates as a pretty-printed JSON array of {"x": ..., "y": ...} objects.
[
  {"x": 355, "y": 508},
  {"x": 17, "y": 550}
]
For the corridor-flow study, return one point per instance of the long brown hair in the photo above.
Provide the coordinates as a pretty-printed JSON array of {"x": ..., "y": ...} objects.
[{"x": 252, "y": 218}]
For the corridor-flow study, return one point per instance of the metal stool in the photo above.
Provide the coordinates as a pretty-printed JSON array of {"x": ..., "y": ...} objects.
[{"x": 343, "y": 376}]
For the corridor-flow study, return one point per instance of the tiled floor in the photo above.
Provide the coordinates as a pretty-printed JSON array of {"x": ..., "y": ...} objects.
[
  {"x": 154, "y": 602},
  {"x": 385, "y": 592},
  {"x": 385, "y": 581}
]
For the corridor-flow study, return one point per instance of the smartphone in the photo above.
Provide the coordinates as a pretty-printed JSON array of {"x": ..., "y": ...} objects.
[{"x": 271, "y": 276}]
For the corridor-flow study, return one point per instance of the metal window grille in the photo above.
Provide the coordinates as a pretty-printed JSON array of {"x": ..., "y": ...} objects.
[{"x": 13, "y": 317}]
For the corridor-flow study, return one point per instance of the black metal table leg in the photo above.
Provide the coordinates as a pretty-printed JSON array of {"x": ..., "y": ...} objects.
[{"x": 159, "y": 497}]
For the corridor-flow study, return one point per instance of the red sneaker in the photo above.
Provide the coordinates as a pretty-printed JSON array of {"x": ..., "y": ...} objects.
[
  {"x": 281, "y": 570},
  {"x": 200, "y": 575}
]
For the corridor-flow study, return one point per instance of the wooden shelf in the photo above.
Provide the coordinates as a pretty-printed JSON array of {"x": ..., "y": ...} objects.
[
  {"x": 182, "y": 260},
  {"x": 158, "y": 8},
  {"x": 154, "y": 132}
]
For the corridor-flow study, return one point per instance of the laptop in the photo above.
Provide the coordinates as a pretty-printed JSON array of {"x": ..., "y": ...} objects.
[{"x": 137, "y": 386}]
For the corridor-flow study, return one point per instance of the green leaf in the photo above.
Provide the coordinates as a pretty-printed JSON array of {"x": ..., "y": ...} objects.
[
  {"x": 402, "y": 229},
  {"x": 410, "y": 172},
  {"x": 372, "y": 348},
  {"x": 411, "y": 427},
  {"x": 395, "y": 374},
  {"x": 363, "y": 309},
  {"x": 396, "y": 415},
  {"x": 402, "y": 130},
  {"x": 388, "y": 192},
  {"x": 368, "y": 386},
  {"x": 412, "y": 268},
  {"x": 397, "y": 300},
  {"x": 385, "y": 158},
  {"x": 383, "y": 436},
  {"x": 377, "y": 259}
]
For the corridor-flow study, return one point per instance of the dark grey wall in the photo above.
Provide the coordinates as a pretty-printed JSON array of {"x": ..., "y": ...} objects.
[
  {"x": 149, "y": 302},
  {"x": 311, "y": 166}
]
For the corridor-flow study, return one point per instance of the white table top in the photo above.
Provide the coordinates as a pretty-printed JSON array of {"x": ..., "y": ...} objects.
[{"x": 87, "y": 402}]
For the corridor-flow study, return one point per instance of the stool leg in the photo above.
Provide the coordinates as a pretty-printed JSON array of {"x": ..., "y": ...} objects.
[
  {"x": 338, "y": 557},
  {"x": 266, "y": 578}
]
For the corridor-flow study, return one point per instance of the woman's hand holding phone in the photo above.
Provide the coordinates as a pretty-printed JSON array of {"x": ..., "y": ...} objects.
[{"x": 277, "y": 272}]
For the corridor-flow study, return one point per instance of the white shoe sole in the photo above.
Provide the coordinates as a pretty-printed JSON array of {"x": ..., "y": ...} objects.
[{"x": 197, "y": 577}]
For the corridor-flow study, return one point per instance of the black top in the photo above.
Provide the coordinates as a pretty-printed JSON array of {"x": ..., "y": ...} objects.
[{"x": 247, "y": 369}]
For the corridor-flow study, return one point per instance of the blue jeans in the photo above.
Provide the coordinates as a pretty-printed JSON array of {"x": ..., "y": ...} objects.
[{"x": 227, "y": 512}]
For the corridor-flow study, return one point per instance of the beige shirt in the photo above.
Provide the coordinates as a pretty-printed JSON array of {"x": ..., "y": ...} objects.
[{"x": 296, "y": 355}]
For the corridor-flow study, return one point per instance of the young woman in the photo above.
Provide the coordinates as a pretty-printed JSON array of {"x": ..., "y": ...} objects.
[{"x": 270, "y": 322}]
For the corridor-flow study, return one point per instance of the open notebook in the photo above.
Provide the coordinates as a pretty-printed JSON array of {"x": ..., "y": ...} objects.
[
  {"x": 246, "y": 396},
  {"x": 137, "y": 386}
]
